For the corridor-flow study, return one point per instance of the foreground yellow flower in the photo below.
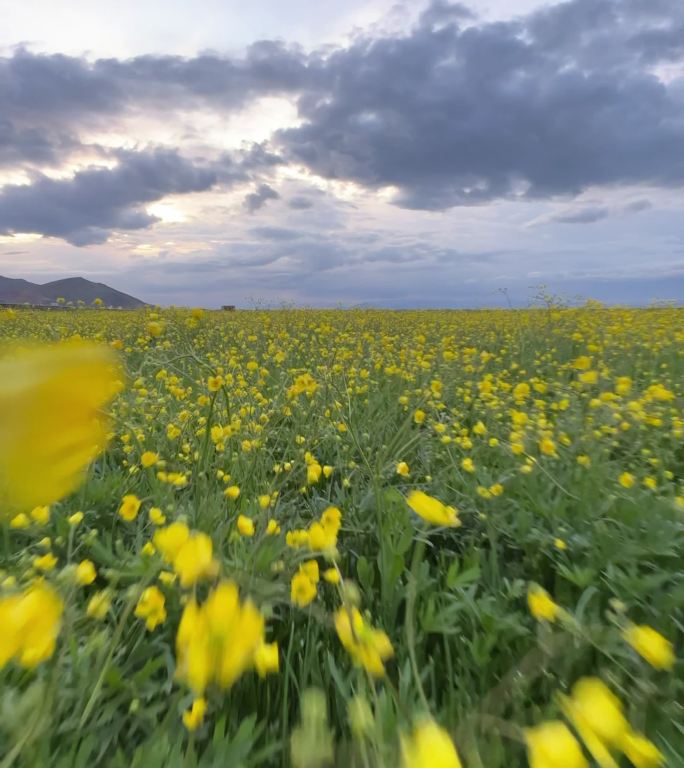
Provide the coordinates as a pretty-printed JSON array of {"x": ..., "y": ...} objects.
[
  {"x": 641, "y": 752},
  {"x": 651, "y": 645},
  {"x": 552, "y": 745},
  {"x": 151, "y": 607},
  {"x": 30, "y": 624},
  {"x": 193, "y": 717},
  {"x": 596, "y": 713},
  {"x": 368, "y": 647},
  {"x": 541, "y": 606},
  {"x": 130, "y": 506},
  {"x": 85, "y": 572},
  {"x": 432, "y": 510},
  {"x": 219, "y": 640},
  {"x": 430, "y": 746},
  {"x": 51, "y": 423}
]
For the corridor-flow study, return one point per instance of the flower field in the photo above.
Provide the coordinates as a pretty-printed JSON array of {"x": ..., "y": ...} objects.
[{"x": 342, "y": 538}]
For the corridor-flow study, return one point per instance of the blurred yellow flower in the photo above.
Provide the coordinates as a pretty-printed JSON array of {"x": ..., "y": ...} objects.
[
  {"x": 85, "y": 572},
  {"x": 552, "y": 745},
  {"x": 51, "y": 423},
  {"x": 193, "y": 717},
  {"x": 98, "y": 605},
  {"x": 368, "y": 647},
  {"x": 245, "y": 525},
  {"x": 151, "y": 607},
  {"x": 302, "y": 589},
  {"x": 430, "y": 746},
  {"x": 30, "y": 624},
  {"x": 432, "y": 510},
  {"x": 651, "y": 645},
  {"x": 130, "y": 506},
  {"x": 541, "y": 606}
]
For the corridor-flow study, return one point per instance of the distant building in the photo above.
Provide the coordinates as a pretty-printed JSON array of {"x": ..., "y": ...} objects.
[{"x": 228, "y": 307}]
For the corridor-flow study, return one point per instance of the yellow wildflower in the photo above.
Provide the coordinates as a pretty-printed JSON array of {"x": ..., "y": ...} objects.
[
  {"x": 432, "y": 510},
  {"x": 302, "y": 589},
  {"x": 193, "y": 717},
  {"x": 552, "y": 745},
  {"x": 151, "y": 607},
  {"x": 85, "y": 572},
  {"x": 651, "y": 645},
  {"x": 130, "y": 506},
  {"x": 51, "y": 420},
  {"x": 430, "y": 746},
  {"x": 367, "y": 646},
  {"x": 541, "y": 606},
  {"x": 245, "y": 526},
  {"x": 98, "y": 605}
]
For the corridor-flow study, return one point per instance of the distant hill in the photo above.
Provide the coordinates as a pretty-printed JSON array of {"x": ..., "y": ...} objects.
[{"x": 71, "y": 289}]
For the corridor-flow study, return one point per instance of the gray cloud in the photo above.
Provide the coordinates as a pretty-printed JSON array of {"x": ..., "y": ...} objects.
[
  {"x": 585, "y": 215},
  {"x": 276, "y": 233},
  {"x": 300, "y": 203},
  {"x": 258, "y": 199},
  {"x": 85, "y": 209},
  {"x": 547, "y": 105}
]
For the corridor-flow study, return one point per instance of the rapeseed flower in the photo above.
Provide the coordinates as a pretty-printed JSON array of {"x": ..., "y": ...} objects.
[
  {"x": 368, "y": 647},
  {"x": 432, "y": 510},
  {"x": 651, "y": 645},
  {"x": 429, "y": 746}
]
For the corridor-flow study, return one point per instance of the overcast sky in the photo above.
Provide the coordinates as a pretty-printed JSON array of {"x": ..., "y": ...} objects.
[{"x": 370, "y": 152}]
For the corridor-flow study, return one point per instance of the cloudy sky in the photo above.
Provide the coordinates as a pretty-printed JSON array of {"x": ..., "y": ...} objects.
[{"x": 326, "y": 153}]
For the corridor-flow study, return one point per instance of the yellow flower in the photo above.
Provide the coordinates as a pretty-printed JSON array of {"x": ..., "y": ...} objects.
[
  {"x": 245, "y": 526},
  {"x": 302, "y": 589},
  {"x": 232, "y": 492},
  {"x": 272, "y": 528},
  {"x": 149, "y": 459},
  {"x": 403, "y": 469},
  {"x": 310, "y": 568},
  {"x": 151, "y": 607},
  {"x": 597, "y": 715},
  {"x": 155, "y": 328},
  {"x": 313, "y": 473},
  {"x": 169, "y": 540},
  {"x": 651, "y": 645},
  {"x": 368, "y": 647},
  {"x": 98, "y": 605},
  {"x": 19, "y": 521},
  {"x": 266, "y": 659},
  {"x": 130, "y": 505},
  {"x": 560, "y": 544},
  {"x": 430, "y": 746},
  {"x": 467, "y": 465},
  {"x": 264, "y": 501},
  {"x": 85, "y": 572},
  {"x": 45, "y": 562},
  {"x": 156, "y": 516},
  {"x": 193, "y": 717},
  {"x": 218, "y": 641},
  {"x": 541, "y": 606},
  {"x": 432, "y": 510},
  {"x": 552, "y": 745},
  {"x": 41, "y": 515},
  {"x": 75, "y": 519},
  {"x": 30, "y": 624},
  {"x": 194, "y": 560},
  {"x": 51, "y": 420},
  {"x": 332, "y": 575},
  {"x": 641, "y": 752},
  {"x": 419, "y": 416},
  {"x": 214, "y": 383},
  {"x": 626, "y": 480}
]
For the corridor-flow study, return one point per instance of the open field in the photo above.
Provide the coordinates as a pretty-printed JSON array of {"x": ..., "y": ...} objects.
[{"x": 280, "y": 456}]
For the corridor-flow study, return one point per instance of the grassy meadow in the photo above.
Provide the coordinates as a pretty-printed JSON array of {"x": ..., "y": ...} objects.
[{"x": 344, "y": 538}]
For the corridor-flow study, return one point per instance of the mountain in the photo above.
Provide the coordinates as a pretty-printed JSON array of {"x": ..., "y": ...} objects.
[{"x": 71, "y": 289}]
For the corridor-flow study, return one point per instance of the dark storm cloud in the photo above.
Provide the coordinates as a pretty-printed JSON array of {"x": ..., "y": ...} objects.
[
  {"x": 546, "y": 105},
  {"x": 258, "y": 199},
  {"x": 85, "y": 209}
]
